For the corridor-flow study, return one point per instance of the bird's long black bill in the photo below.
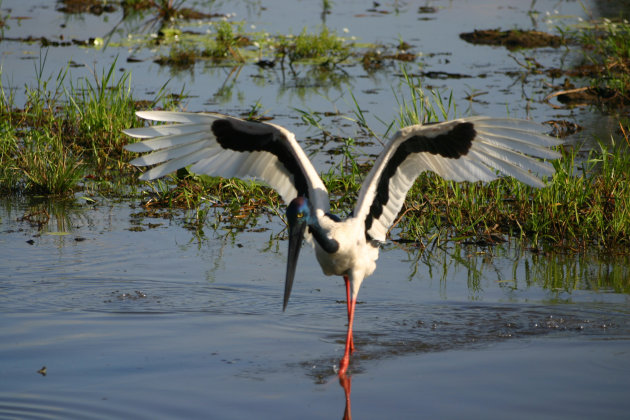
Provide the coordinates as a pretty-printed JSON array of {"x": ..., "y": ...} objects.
[{"x": 296, "y": 236}]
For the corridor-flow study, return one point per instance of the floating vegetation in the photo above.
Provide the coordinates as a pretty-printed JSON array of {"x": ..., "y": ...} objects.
[
  {"x": 605, "y": 48},
  {"x": 95, "y": 7},
  {"x": 374, "y": 59},
  {"x": 179, "y": 57},
  {"x": 231, "y": 44},
  {"x": 227, "y": 43},
  {"x": 512, "y": 39}
]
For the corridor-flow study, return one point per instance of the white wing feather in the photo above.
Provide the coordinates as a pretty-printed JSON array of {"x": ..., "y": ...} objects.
[{"x": 190, "y": 141}]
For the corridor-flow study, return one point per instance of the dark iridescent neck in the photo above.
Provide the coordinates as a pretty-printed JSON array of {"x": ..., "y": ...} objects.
[{"x": 321, "y": 237}]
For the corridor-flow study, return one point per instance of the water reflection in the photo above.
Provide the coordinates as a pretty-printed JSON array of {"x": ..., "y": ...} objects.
[
  {"x": 438, "y": 329},
  {"x": 513, "y": 266},
  {"x": 45, "y": 215},
  {"x": 346, "y": 383},
  {"x": 560, "y": 272},
  {"x": 237, "y": 83},
  {"x": 510, "y": 268}
]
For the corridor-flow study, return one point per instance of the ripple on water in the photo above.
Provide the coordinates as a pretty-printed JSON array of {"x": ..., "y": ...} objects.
[{"x": 64, "y": 405}]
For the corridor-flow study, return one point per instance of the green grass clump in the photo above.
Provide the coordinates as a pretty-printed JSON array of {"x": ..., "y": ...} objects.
[
  {"x": 33, "y": 155},
  {"x": 225, "y": 45},
  {"x": 48, "y": 165},
  {"x": 227, "y": 42},
  {"x": 10, "y": 174},
  {"x": 99, "y": 111},
  {"x": 64, "y": 131},
  {"x": 584, "y": 204},
  {"x": 324, "y": 47},
  {"x": 37, "y": 161}
]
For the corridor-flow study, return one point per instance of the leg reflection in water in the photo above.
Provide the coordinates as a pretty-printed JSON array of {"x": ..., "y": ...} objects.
[{"x": 346, "y": 383}]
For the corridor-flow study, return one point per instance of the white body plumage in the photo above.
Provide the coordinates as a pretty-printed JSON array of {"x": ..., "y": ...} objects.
[{"x": 356, "y": 256}]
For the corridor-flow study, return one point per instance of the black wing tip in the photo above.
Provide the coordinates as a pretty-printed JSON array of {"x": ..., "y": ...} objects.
[{"x": 221, "y": 127}]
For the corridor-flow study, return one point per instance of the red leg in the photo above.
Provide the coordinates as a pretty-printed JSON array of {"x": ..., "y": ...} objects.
[
  {"x": 345, "y": 361},
  {"x": 350, "y": 311}
]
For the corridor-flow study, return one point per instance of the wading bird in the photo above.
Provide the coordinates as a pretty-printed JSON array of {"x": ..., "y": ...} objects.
[{"x": 467, "y": 149}]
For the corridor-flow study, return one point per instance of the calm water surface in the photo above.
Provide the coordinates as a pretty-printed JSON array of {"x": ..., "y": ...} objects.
[{"x": 159, "y": 323}]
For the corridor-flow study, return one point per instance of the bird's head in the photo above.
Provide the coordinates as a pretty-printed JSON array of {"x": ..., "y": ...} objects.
[{"x": 298, "y": 217}]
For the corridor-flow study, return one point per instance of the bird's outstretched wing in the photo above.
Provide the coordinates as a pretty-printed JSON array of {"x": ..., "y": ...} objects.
[
  {"x": 220, "y": 145},
  {"x": 467, "y": 149}
]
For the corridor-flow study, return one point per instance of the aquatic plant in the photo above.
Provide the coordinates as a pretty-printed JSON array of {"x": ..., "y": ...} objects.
[
  {"x": 325, "y": 47},
  {"x": 226, "y": 42}
]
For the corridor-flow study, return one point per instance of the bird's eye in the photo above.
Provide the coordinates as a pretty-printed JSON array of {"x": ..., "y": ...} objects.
[{"x": 300, "y": 215}]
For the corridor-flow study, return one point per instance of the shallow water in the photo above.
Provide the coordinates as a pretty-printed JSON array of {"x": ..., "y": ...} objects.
[
  {"x": 139, "y": 317},
  {"x": 159, "y": 324}
]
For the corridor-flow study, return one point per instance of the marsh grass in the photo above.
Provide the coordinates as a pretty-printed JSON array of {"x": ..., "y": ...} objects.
[
  {"x": 65, "y": 130},
  {"x": 584, "y": 205},
  {"x": 97, "y": 113},
  {"x": 230, "y": 44},
  {"x": 48, "y": 165},
  {"x": 237, "y": 204},
  {"x": 227, "y": 42}
]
